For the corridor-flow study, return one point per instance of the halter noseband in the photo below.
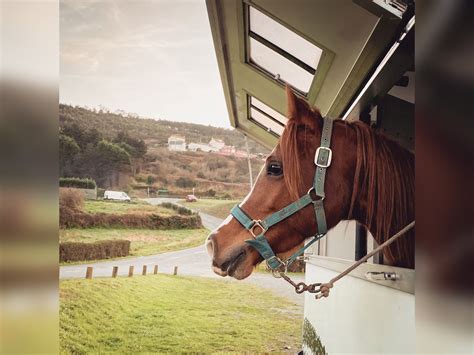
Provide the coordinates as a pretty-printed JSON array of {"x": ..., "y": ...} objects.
[{"x": 258, "y": 228}]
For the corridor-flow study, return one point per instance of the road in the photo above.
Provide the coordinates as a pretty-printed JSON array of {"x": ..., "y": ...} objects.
[{"x": 191, "y": 262}]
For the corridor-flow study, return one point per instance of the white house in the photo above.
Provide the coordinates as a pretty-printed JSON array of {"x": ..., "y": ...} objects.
[
  {"x": 203, "y": 147},
  {"x": 218, "y": 144},
  {"x": 177, "y": 143}
]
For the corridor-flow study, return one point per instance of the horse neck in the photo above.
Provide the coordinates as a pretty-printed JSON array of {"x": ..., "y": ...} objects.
[{"x": 383, "y": 192}]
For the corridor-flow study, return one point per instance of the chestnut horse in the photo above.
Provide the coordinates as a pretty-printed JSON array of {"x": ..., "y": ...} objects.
[{"x": 370, "y": 180}]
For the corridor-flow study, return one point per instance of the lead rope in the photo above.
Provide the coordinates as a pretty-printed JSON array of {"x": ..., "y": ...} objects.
[{"x": 322, "y": 289}]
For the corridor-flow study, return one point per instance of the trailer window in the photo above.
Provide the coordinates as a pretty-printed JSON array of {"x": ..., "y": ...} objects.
[
  {"x": 280, "y": 52},
  {"x": 266, "y": 117}
]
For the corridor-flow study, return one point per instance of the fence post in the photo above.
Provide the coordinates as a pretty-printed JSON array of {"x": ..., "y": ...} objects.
[
  {"x": 115, "y": 271},
  {"x": 144, "y": 270},
  {"x": 130, "y": 271},
  {"x": 175, "y": 272},
  {"x": 89, "y": 272},
  {"x": 155, "y": 271}
]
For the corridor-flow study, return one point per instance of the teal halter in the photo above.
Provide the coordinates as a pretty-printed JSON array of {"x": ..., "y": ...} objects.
[{"x": 258, "y": 228}]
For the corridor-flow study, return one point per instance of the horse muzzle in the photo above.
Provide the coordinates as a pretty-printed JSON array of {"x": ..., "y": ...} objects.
[{"x": 234, "y": 263}]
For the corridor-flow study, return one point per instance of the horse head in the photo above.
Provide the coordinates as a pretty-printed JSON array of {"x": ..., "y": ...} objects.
[{"x": 286, "y": 176}]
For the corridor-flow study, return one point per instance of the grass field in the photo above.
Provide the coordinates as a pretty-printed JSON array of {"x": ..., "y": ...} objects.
[
  {"x": 173, "y": 314},
  {"x": 217, "y": 208},
  {"x": 101, "y": 206},
  {"x": 143, "y": 241}
]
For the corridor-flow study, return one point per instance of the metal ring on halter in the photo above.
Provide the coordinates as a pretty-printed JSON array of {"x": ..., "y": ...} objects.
[
  {"x": 312, "y": 189},
  {"x": 277, "y": 273},
  {"x": 257, "y": 223}
]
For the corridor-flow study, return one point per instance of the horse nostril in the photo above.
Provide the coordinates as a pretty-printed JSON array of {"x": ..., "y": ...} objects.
[{"x": 210, "y": 245}]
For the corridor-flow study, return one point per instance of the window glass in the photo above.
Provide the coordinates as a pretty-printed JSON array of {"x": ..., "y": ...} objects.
[
  {"x": 279, "y": 67},
  {"x": 267, "y": 117},
  {"x": 280, "y": 52},
  {"x": 284, "y": 38},
  {"x": 268, "y": 110}
]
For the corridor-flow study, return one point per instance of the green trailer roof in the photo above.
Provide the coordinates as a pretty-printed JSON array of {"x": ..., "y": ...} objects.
[{"x": 323, "y": 49}]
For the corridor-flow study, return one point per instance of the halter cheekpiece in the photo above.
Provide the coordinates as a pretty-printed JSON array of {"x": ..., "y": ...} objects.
[{"x": 258, "y": 228}]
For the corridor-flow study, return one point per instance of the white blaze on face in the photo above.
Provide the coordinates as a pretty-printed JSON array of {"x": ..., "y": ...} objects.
[{"x": 225, "y": 222}]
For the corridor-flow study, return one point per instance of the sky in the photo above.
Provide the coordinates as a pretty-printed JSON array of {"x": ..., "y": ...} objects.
[{"x": 154, "y": 58}]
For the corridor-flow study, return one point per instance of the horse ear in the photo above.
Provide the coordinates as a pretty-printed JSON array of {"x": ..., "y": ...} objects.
[
  {"x": 296, "y": 106},
  {"x": 298, "y": 109}
]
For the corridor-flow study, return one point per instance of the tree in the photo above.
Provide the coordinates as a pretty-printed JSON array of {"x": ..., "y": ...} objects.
[
  {"x": 138, "y": 146},
  {"x": 150, "y": 180},
  {"x": 68, "y": 150},
  {"x": 135, "y": 147},
  {"x": 82, "y": 136},
  {"x": 108, "y": 160},
  {"x": 185, "y": 182}
]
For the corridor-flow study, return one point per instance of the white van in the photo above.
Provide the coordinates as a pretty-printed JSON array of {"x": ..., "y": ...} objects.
[{"x": 116, "y": 195}]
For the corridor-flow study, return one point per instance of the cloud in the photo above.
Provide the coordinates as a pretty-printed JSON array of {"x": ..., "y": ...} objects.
[{"x": 155, "y": 58}]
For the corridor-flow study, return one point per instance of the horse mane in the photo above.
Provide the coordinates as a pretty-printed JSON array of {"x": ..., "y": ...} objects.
[
  {"x": 291, "y": 160},
  {"x": 383, "y": 181}
]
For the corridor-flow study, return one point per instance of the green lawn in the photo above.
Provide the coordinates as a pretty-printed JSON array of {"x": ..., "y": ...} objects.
[
  {"x": 217, "y": 208},
  {"x": 101, "y": 206},
  {"x": 172, "y": 314},
  {"x": 143, "y": 241}
]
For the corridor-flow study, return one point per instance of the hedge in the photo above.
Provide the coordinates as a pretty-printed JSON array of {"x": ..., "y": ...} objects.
[
  {"x": 131, "y": 220},
  {"x": 76, "y": 251},
  {"x": 180, "y": 209},
  {"x": 77, "y": 183}
]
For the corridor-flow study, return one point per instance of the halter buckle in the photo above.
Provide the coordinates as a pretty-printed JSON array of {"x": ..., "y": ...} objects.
[
  {"x": 258, "y": 224},
  {"x": 323, "y": 157}
]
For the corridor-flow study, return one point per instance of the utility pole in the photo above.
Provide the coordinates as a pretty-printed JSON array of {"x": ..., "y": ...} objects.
[{"x": 248, "y": 161}]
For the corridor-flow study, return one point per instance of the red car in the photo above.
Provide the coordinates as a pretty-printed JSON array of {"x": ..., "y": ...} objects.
[{"x": 191, "y": 198}]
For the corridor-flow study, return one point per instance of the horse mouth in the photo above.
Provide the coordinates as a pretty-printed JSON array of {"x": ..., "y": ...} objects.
[{"x": 231, "y": 265}]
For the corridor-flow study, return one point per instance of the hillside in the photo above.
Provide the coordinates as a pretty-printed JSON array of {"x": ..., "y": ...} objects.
[
  {"x": 209, "y": 173},
  {"x": 131, "y": 154},
  {"x": 154, "y": 132}
]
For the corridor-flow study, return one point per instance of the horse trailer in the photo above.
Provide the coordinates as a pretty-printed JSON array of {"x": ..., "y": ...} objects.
[{"x": 353, "y": 60}]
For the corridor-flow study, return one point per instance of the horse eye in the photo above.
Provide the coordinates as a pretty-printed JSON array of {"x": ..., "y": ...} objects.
[{"x": 274, "y": 169}]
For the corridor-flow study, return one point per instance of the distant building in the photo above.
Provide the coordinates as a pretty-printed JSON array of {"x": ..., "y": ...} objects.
[
  {"x": 240, "y": 154},
  {"x": 177, "y": 143},
  {"x": 201, "y": 147},
  {"x": 218, "y": 144},
  {"x": 227, "y": 150}
]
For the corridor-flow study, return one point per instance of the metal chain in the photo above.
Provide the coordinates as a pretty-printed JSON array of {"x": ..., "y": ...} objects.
[{"x": 301, "y": 287}]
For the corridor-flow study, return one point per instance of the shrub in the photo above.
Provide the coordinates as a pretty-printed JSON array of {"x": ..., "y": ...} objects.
[
  {"x": 180, "y": 209},
  {"x": 211, "y": 192},
  {"x": 150, "y": 180},
  {"x": 185, "y": 182},
  {"x": 131, "y": 220},
  {"x": 216, "y": 163},
  {"x": 71, "y": 199},
  {"x": 77, "y": 183},
  {"x": 71, "y": 202},
  {"x": 76, "y": 251}
]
